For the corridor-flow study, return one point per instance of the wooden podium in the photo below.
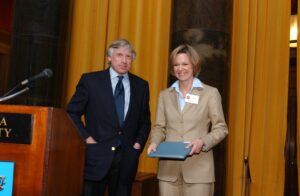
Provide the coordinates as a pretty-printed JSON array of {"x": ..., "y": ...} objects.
[{"x": 52, "y": 162}]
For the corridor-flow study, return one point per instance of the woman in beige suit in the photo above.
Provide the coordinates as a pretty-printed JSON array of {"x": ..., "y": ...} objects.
[{"x": 185, "y": 112}]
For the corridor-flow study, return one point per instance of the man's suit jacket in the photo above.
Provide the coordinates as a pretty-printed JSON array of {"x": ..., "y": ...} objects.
[
  {"x": 94, "y": 100},
  {"x": 192, "y": 123}
]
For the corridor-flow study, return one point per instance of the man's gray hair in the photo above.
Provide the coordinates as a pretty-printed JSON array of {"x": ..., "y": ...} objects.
[{"x": 120, "y": 43}]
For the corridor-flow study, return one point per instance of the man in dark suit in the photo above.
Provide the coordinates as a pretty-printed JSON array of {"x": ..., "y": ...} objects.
[{"x": 115, "y": 106}]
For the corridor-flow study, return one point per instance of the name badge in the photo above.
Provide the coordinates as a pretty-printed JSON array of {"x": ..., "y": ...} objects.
[{"x": 189, "y": 98}]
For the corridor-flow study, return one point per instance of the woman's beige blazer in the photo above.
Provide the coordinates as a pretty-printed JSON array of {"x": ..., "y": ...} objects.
[{"x": 192, "y": 123}]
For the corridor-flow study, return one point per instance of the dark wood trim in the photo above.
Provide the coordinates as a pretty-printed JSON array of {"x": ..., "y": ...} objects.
[
  {"x": 5, "y": 40},
  {"x": 5, "y": 49},
  {"x": 291, "y": 168}
]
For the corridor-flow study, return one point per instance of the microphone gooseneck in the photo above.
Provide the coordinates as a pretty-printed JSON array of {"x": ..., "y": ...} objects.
[{"x": 46, "y": 73}]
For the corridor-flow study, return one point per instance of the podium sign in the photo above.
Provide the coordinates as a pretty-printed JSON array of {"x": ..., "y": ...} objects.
[
  {"x": 15, "y": 128},
  {"x": 6, "y": 178}
]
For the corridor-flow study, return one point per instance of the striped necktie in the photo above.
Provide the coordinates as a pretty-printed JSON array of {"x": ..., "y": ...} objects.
[{"x": 119, "y": 97}]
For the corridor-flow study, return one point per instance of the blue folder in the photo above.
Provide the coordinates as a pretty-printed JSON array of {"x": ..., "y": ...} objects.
[{"x": 171, "y": 150}]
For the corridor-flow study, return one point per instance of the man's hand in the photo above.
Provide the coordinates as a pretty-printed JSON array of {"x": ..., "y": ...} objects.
[
  {"x": 90, "y": 140},
  {"x": 137, "y": 146}
]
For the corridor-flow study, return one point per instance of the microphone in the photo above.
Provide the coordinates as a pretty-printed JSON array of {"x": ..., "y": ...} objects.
[{"x": 45, "y": 73}]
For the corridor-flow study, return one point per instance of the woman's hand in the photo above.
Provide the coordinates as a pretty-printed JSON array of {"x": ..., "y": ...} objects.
[
  {"x": 152, "y": 148},
  {"x": 196, "y": 146}
]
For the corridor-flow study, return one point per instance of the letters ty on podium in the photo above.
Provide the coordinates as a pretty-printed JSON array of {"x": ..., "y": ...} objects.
[{"x": 46, "y": 149}]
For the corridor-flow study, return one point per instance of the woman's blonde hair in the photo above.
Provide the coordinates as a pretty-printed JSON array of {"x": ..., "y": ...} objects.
[{"x": 191, "y": 53}]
